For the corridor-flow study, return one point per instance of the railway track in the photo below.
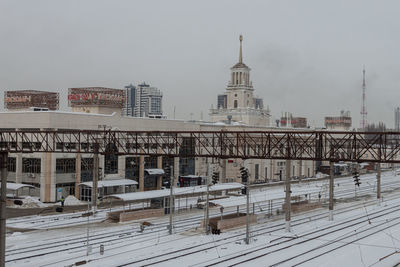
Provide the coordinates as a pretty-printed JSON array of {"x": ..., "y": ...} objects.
[
  {"x": 171, "y": 255},
  {"x": 306, "y": 238},
  {"x": 121, "y": 236}
]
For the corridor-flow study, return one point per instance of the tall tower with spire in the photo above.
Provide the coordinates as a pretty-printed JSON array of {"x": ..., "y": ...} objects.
[
  {"x": 363, "y": 121},
  {"x": 238, "y": 102}
]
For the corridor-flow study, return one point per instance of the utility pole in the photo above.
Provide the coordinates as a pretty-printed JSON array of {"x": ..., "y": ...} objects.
[
  {"x": 3, "y": 173},
  {"x": 378, "y": 182},
  {"x": 287, "y": 197},
  {"x": 87, "y": 232},
  {"x": 95, "y": 177},
  {"x": 247, "y": 214},
  {"x": 331, "y": 191},
  {"x": 207, "y": 215},
  {"x": 207, "y": 209},
  {"x": 171, "y": 204}
]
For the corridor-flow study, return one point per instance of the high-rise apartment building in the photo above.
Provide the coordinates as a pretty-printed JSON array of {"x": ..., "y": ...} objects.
[
  {"x": 143, "y": 101},
  {"x": 148, "y": 102},
  {"x": 130, "y": 100},
  {"x": 397, "y": 119}
]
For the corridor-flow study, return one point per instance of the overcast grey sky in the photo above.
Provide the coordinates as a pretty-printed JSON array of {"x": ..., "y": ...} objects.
[{"x": 306, "y": 56}]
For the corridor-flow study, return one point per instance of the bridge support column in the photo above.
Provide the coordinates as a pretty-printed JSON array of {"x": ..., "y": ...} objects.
[
  {"x": 78, "y": 175},
  {"x": 223, "y": 171},
  {"x": 331, "y": 181},
  {"x": 95, "y": 178},
  {"x": 141, "y": 173},
  {"x": 18, "y": 168},
  {"x": 378, "y": 182},
  {"x": 47, "y": 177},
  {"x": 3, "y": 176},
  {"x": 121, "y": 166},
  {"x": 287, "y": 198},
  {"x": 159, "y": 166},
  {"x": 176, "y": 170}
]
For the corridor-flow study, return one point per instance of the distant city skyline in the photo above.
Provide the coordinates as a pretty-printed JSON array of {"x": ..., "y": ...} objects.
[{"x": 306, "y": 57}]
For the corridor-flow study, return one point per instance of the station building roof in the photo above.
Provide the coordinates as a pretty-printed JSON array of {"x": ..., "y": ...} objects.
[
  {"x": 180, "y": 191},
  {"x": 111, "y": 183}
]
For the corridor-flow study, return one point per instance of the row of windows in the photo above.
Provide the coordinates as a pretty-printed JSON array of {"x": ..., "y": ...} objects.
[
  {"x": 31, "y": 165},
  {"x": 68, "y": 165},
  {"x": 65, "y": 165}
]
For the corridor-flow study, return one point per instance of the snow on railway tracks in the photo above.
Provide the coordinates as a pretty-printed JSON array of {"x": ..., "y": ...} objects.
[{"x": 125, "y": 246}]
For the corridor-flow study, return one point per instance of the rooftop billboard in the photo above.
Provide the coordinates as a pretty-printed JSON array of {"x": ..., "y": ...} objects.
[
  {"x": 23, "y": 99},
  {"x": 96, "y": 97}
]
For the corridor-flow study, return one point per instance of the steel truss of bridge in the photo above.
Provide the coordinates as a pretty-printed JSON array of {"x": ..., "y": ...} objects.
[{"x": 294, "y": 145}]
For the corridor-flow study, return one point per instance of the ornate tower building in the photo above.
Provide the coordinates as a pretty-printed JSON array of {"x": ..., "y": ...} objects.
[{"x": 238, "y": 104}]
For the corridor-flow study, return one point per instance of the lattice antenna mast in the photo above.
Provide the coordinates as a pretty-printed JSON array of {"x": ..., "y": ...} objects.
[{"x": 363, "y": 123}]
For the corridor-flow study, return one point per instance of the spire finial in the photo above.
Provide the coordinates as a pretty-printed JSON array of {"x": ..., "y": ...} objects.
[{"x": 240, "y": 55}]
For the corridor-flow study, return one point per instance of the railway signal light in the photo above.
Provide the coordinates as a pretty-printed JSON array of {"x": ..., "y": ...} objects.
[
  {"x": 167, "y": 176},
  {"x": 244, "y": 173},
  {"x": 356, "y": 177},
  {"x": 215, "y": 177},
  {"x": 167, "y": 172},
  {"x": 244, "y": 191}
]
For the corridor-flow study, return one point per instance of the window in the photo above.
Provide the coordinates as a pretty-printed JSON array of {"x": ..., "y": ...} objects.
[
  {"x": 235, "y": 104},
  {"x": 65, "y": 165},
  {"x": 31, "y": 165},
  {"x": 266, "y": 173},
  {"x": 150, "y": 162},
  {"x": 256, "y": 171},
  {"x": 68, "y": 187},
  {"x": 111, "y": 164},
  {"x": 131, "y": 167},
  {"x": 12, "y": 164},
  {"x": 86, "y": 169},
  {"x": 111, "y": 160},
  {"x": 87, "y": 164}
]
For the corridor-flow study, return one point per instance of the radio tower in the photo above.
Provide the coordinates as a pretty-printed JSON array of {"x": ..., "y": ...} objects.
[{"x": 363, "y": 112}]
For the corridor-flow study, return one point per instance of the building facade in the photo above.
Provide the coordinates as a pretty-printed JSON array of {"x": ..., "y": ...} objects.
[
  {"x": 130, "y": 100},
  {"x": 239, "y": 103},
  {"x": 59, "y": 174},
  {"x": 148, "y": 102},
  {"x": 397, "y": 119}
]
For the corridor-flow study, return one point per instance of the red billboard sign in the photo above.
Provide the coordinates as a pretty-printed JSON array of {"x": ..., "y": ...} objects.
[{"x": 96, "y": 96}]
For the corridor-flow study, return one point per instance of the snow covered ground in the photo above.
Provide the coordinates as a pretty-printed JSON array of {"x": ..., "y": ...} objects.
[{"x": 363, "y": 233}]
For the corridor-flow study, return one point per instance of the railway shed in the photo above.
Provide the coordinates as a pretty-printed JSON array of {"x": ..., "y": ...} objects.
[
  {"x": 303, "y": 197},
  {"x": 185, "y": 197},
  {"x": 107, "y": 187},
  {"x": 17, "y": 189}
]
